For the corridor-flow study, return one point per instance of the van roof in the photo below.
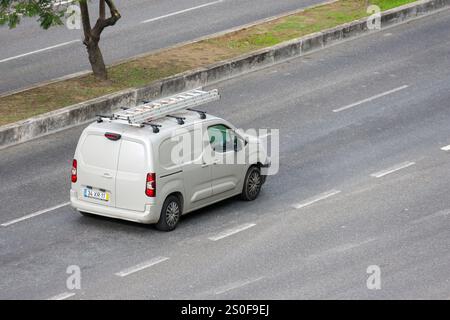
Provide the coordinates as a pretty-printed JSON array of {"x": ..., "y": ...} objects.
[{"x": 167, "y": 126}]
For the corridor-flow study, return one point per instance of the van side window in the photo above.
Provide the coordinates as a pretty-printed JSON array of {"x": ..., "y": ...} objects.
[
  {"x": 221, "y": 138},
  {"x": 132, "y": 157}
]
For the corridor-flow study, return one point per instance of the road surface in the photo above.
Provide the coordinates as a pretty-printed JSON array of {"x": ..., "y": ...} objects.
[
  {"x": 364, "y": 181},
  {"x": 31, "y": 55}
]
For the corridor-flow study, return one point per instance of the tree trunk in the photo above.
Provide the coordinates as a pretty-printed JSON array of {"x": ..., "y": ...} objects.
[
  {"x": 92, "y": 35},
  {"x": 96, "y": 59}
]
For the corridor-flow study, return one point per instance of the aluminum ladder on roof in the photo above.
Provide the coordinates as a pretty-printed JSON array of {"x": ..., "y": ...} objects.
[{"x": 157, "y": 109}]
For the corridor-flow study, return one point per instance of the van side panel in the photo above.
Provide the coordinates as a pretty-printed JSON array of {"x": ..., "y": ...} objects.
[
  {"x": 180, "y": 160},
  {"x": 170, "y": 173}
]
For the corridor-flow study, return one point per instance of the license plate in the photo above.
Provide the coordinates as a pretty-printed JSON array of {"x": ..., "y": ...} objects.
[{"x": 96, "y": 194}]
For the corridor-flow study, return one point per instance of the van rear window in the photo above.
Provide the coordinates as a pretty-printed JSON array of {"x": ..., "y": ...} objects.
[{"x": 100, "y": 152}]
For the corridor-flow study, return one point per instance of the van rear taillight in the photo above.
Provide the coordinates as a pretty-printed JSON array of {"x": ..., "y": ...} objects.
[
  {"x": 150, "y": 186},
  {"x": 74, "y": 171},
  {"x": 113, "y": 136}
]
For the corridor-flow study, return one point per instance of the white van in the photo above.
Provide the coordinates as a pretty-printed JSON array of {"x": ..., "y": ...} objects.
[{"x": 135, "y": 170}]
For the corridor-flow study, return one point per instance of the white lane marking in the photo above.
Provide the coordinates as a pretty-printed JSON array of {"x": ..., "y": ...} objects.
[
  {"x": 442, "y": 213},
  {"x": 446, "y": 148},
  {"x": 232, "y": 231},
  {"x": 236, "y": 285},
  {"x": 371, "y": 98},
  {"x": 40, "y": 50},
  {"x": 62, "y": 296},
  {"x": 351, "y": 246},
  {"x": 340, "y": 249},
  {"x": 182, "y": 11},
  {"x": 317, "y": 198},
  {"x": 392, "y": 169},
  {"x": 6, "y": 224},
  {"x": 141, "y": 266}
]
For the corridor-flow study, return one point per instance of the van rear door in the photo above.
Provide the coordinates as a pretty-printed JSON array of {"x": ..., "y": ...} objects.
[
  {"x": 97, "y": 168},
  {"x": 131, "y": 175}
]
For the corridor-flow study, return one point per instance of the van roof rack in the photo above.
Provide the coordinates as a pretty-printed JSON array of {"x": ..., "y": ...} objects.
[{"x": 151, "y": 110}]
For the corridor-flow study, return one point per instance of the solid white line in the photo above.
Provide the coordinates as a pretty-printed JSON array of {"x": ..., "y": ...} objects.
[
  {"x": 6, "y": 224},
  {"x": 371, "y": 98},
  {"x": 40, "y": 50},
  {"x": 317, "y": 198},
  {"x": 236, "y": 285},
  {"x": 392, "y": 169},
  {"x": 182, "y": 11},
  {"x": 446, "y": 148},
  {"x": 141, "y": 266},
  {"x": 62, "y": 296},
  {"x": 232, "y": 231}
]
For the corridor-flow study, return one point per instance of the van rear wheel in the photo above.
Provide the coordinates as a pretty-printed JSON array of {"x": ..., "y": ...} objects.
[
  {"x": 170, "y": 214},
  {"x": 252, "y": 184}
]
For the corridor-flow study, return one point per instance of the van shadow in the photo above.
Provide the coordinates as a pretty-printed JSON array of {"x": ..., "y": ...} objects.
[{"x": 195, "y": 218}]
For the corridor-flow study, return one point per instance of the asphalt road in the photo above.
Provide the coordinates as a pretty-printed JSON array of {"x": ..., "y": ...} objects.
[
  {"x": 172, "y": 22},
  {"x": 382, "y": 158}
]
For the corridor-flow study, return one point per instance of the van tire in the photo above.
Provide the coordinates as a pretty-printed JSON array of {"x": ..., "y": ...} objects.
[
  {"x": 170, "y": 214},
  {"x": 252, "y": 184}
]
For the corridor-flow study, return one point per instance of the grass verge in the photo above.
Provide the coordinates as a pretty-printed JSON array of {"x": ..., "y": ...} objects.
[{"x": 144, "y": 70}]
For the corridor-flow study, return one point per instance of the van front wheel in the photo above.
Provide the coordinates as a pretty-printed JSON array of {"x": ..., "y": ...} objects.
[
  {"x": 170, "y": 214},
  {"x": 252, "y": 184}
]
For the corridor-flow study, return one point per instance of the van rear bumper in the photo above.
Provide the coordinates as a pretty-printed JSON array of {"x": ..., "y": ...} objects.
[{"x": 149, "y": 215}]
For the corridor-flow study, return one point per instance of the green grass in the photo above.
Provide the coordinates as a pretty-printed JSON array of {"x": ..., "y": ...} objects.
[
  {"x": 292, "y": 23},
  {"x": 389, "y": 4},
  {"x": 147, "y": 69}
]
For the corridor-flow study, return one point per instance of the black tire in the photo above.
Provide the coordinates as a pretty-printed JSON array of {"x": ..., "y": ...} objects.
[
  {"x": 170, "y": 214},
  {"x": 252, "y": 184}
]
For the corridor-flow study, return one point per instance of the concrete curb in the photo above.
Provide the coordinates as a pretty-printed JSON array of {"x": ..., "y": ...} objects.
[{"x": 83, "y": 112}]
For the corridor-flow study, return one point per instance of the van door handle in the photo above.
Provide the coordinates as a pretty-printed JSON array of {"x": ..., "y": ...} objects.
[
  {"x": 107, "y": 176},
  {"x": 204, "y": 164}
]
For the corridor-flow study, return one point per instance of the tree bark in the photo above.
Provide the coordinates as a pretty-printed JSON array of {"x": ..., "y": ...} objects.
[
  {"x": 92, "y": 35},
  {"x": 96, "y": 59}
]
